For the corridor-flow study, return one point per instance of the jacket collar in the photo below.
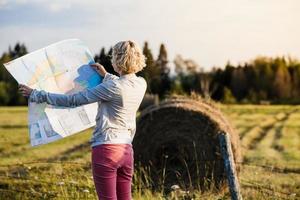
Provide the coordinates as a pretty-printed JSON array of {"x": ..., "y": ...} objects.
[{"x": 131, "y": 75}]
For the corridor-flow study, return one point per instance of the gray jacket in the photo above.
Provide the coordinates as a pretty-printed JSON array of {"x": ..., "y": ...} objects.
[{"x": 118, "y": 101}]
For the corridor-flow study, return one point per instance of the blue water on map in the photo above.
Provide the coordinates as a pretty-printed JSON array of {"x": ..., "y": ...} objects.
[{"x": 87, "y": 76}]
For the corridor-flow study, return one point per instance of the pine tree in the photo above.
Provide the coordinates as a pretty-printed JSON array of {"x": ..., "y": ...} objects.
[
  {"x": 282, "y": 81},
  {"x": 162, "y": 64},
  {"x": 10, "y": 85},
  {"x": 295, "y": 71},
  {"x": 151, "y": 72},
  {"x": 239, "y": 83}
]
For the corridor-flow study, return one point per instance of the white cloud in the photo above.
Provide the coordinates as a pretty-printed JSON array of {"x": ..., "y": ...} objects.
[
  {"x": 210, "y": 32},
  {"x": 21, "y": 1},
  {"x": 3, "y": 4},
  {"x": 58, "y": 7},
  {"x": 50, "y": 5}
]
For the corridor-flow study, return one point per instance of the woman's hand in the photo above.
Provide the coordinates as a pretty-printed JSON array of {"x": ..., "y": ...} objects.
[
  {"x": 99, "y": 68},
  {"x": 25, "y": 90}
]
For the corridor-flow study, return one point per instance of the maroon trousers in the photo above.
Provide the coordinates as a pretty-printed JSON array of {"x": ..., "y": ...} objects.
[{"x": 112, "y": 166}]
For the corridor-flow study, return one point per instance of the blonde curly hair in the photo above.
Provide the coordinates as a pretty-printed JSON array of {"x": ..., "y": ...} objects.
[{"x": 128, "y": 57}]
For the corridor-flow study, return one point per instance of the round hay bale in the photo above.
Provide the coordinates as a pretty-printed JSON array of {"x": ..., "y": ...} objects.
[{"x": 177, "y": 142}]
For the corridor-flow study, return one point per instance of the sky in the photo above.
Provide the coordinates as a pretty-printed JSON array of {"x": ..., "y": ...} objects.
[{"x": 210, "y": 32}]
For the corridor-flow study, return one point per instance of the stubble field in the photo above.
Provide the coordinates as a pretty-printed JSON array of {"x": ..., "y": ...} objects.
[{"x": 270, "y": 139}]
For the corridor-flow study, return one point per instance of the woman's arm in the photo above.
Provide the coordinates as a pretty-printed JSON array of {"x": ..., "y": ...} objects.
[{"x": 102, "y": 92}]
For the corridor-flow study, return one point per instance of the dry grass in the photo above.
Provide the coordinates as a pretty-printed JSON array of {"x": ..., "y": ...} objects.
[{"x": 271, "y": 169}]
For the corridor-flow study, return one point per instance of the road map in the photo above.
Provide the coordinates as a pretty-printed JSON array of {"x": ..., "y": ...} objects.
[{"x": 61, "y": 68}]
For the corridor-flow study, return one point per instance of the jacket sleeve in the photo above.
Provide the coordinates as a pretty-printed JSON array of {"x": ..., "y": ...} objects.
[{"x": 105, "y": 91}]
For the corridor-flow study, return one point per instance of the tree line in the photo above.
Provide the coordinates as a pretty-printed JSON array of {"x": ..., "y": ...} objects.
[{"x": 261, "y": 80}]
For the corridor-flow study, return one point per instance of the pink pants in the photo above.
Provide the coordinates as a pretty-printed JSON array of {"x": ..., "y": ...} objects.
[{"x": 112, "y": 166}]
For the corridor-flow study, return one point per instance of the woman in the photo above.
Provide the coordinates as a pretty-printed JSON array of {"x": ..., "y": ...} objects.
[{"x": 119, "y": 99}]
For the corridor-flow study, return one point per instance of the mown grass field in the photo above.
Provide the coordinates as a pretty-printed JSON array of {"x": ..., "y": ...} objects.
[{"x": 270, "y": 138}]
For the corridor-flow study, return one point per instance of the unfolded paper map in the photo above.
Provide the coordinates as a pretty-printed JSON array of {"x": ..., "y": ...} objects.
[{"x": 61, "y": 68}]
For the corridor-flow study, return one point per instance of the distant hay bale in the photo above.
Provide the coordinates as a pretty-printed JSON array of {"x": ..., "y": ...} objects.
[{"x": 178, "y": 142}]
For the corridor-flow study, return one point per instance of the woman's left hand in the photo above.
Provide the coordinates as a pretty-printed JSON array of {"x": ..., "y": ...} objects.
[
  {"x": 25, "y": 90},
  {"x": 99, "y": 68}
]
